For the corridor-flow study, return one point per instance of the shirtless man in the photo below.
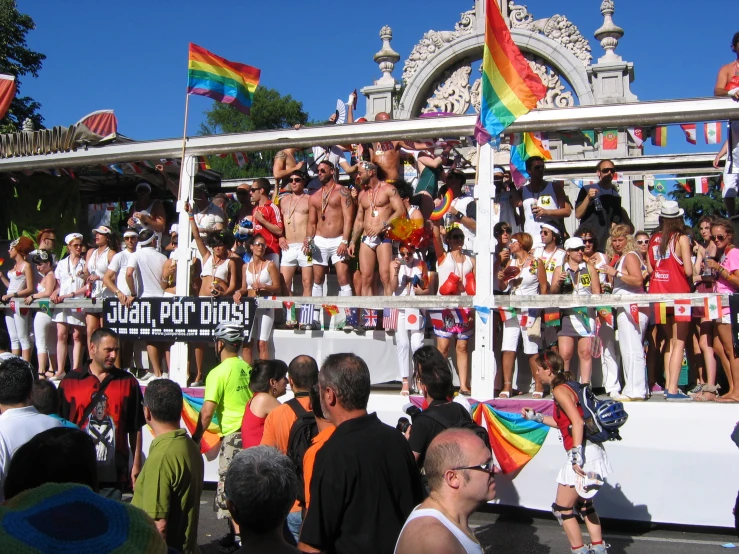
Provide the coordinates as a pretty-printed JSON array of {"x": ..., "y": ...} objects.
[
  {"x": 295, "y": 212},
  {"x": 329, "y": 226},
  {"x": 379, "y": 204},
  {"x": 727, "y": 81},
  {"x": 386, "y": 155},
  {"x": 286, "y": 161},
  {"x": 147, "y": 214}
]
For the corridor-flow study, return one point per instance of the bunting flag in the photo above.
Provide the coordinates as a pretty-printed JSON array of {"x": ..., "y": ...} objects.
[
  {"x": 507, "y": 313},
  {"x": 290, "y": 315},
  {"x": 690, "y": 132},
  {"x": 712, "y": 132},
  {"x": 370, "y": 319},
  {"x": 712, "y": 307},
  {"x": 589, "y": 136},
  {"x": 224, "y": 81},
  {"x": 332, "y": 310},
  {"x": 606, "y": 315},
  {"x": 513, "y": 438},
  {"x": 684, "y": 184},
  {"x": 510, "y": 88},
  {"x": 639, "y": 183},
  {"x": 610, "y": 140},
  {"x": 702, "y": 185},
  {"x": 203, "y": 164},
  {"x": 682, "y": 309},
  {"x": 581, "y": 313},
  {"x": 352, "y": 317},
  {"x": 659, "y": 313},
  {"x": 191, "y": 407},
  {"x": 634, "y": 311},
  {"x": 659, "y": 136},
  {"x": 115, "y": 167},
  {"x": 240, "y": 158},
  {"x": 552, "y": 317},
  {"x": 390, "y": 319},
  {"x": 637, "y": 135},
  {"x": 523, "y": 146},
  {"x": 7, "y": 93}
]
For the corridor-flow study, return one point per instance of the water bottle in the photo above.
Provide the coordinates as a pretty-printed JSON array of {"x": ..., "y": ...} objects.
[
  {"x": 448, "y": 220},
  {"x": 597, "y": 204},
  {"x": 567, "y": 284}
]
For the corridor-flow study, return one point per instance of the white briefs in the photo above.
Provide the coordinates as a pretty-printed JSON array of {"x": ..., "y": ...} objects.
[
  {"x": 294, "y": 256},
  {"x": 325, "y": 249}
]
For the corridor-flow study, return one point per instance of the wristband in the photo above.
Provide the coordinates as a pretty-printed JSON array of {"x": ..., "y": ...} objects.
[{"x": 344, "y": 241}]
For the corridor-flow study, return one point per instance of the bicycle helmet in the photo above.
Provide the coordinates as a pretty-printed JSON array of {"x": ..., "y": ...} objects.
[
  {"x": 611, "y": 414},
  {"x": 229, "y": 331}
]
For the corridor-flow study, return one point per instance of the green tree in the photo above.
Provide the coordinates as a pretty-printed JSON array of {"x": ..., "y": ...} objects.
[
  {"x": 698, "y": 205},
  {"x": 269, "y": 110},
  {"x": 17, "y": 59}
]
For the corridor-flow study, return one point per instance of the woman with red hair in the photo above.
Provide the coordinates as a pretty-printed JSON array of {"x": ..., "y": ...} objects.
[{"x": 19, "y": 283}]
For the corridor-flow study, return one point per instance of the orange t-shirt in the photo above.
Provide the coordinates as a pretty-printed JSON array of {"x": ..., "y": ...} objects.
[
  {"x": 278, "y": 424},
  {"x": 310, "y": 459}
]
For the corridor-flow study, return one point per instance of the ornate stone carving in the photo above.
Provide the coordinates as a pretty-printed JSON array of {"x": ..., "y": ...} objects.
[
  {"x": 557, "y": 96},
  {"x": 434, "y": 41},
  {"x": 476, "y": 94},
  {"x": 452, "y": 92},
  {"x": 386, "y": 57},
  {"x": 609, "y": 33}
]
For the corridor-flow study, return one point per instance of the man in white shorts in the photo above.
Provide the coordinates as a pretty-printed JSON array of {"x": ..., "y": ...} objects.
[{"x": 731, "y": 169}]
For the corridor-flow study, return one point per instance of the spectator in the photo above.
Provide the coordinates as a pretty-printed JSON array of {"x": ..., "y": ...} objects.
[
  {"x": 44, "y": 330},
  {"x": 351, "y": 510},
  {"x": 670, "y": 265},
  {"x": 144, "y": 280},
  {"x": 261, "y": 485},
  {"x": 628, "y": 278},
  {"x": 146, "y": 213},
  {"x": 409, "y": 277},
  {"x": 295, "y": 208},
  {"x": 70, "y": 277},
  {"x": 386, "y": 155},
  {"x": 432, "y": 169},
  {"x": 267, "y": 382},
  {"x": 5, "y": 353},
  {"x": 46, "y": 240},
  {"x": 463, "y": 208},
  {"x": 267, "y": 219},
  {"x": 583, "y": 458},
  {"x": 504, "y": 199},
  {"x": 502, "y": 234},
  {"x": 551, "y": 256},
  {"x": 524, "y": 276},
  {"x": 226, "y": 396},
  {"x": 285, "y": 163},
  {"x": 460, "y": 472},
  {"x": 19, "y": 420},
  {"x": 171, "y": 481},
  {"x": 456, "y": 272},
  {"x": 98, "y": 260},
  {"x": 727, "y": 83},
  {"x": 45, "y": 398},
  {"x": 727, "y": 282},
  {"x": 599, "y": 205},
  {"x": 576, "y": 277},
  {"x": 208, "y": 216},
  {"x": 57, "y": 455},
  {"x": 325, "y": 429},
  {"x": 642, "y": 245},
  {"x": 105, "y": 402},
  {"x": 19, "y": 284}
]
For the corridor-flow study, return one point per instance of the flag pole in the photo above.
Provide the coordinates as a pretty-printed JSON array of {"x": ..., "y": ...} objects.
[{"x": 184, "y": 143}]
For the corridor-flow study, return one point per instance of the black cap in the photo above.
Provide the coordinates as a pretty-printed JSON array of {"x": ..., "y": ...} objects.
[{"x": 459, "y": 173}]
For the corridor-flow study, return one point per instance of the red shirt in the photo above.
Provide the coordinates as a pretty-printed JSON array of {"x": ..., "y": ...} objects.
[
  {"x": 252, "y": 428},
  {"x": 271, "y": 214},
  {"x": 668, "y": 276},
  {"x": 563, "y": 422}
]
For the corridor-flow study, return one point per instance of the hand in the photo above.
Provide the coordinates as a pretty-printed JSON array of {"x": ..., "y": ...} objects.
[
  {"x": 501, "y": 277},
  {"x": 454, "y": 211},
  {"x": 258, "y": 216},
  {"x": 350, "y": 250},
  {"x": 283, "y": 244},
  {"x": 135, "y": 470},
  {"x": 55, "y": 298},
  {"x": 6, "y": 297},
  {"x": 237, "y": 300},
  {"x": 92, "y": 278},
  {"x": 137, "y": 215},
  {"x": 341, "y": 250},
  {"x": 374, "y": 230},
  {"x": 578, "y": 469},
  {"x": 408, "y": 432},
  {"x": 131, "y": 222},
  {"x": 128, "y": 301},
  {"x": 505, "y": 255},
  {"x": 592, "y": 193},
  {"x": 28, "y": 300},
  {"x": 188, "y": 207},
  {"x": 574, "y": 455},
  {"x": 395, "y": 265},
  {"x": 171, "y": 271},
  {"x": 716, "y": 161},
  {"x": 713, "y": 264},
  {"x": 418, "y": 290}
]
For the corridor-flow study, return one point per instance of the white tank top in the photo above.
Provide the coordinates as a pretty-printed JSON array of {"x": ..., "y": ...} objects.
[
  {"x": 546, "y": 199},
  {"x": 220, "y": 272},
  {"x": 529, "y": 281},
  {"x": 17, "y": 279},
  {"x": 405, "y": 279},
  {"x": 252, "y": 276},
  {"x": 98, "y": 265},
  {"x": 449, "y": 266},
  {"x": 619, "y": 287},
  {"x": 470, "y": 546}
]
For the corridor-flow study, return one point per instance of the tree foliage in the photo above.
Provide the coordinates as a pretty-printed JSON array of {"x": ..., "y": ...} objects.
[
  {"x": 698, "y": 205},
  {"x": 17, "y": 59},
  {"x": 269, "y": 110}
]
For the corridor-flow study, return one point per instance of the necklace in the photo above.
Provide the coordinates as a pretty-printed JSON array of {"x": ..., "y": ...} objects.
[
  {"x": 470, "y": 535},
  {"x": 255, "y": 284},
  {"x": 373, "y": 196},
  {"x": 291, "y": 209},
  {"x": 324, "y": 201}
]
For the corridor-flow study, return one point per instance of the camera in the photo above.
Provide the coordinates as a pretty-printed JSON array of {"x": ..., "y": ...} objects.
[
  {"x": 403, "y": 425},
  {"x": 411, "y": 410}
]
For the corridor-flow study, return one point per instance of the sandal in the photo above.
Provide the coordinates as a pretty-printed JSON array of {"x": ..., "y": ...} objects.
[
  {"x": 504, "y": 394},
  {"x": 706, "y": 389},
  {"x": 405, "y": 389},
  {"x": 49, "y": 374},
  {"x": 465, "y": 392}
]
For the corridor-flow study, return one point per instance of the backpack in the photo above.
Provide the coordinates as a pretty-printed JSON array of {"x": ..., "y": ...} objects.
[
  {"x": 602, "y": 418},
  {"x": 464, "y": 421},
  {"x": 301, "y": 437}
]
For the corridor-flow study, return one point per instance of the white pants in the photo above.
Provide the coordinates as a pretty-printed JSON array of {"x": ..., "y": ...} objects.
[
  {"x": 44, "y": 329},
  {"x": 264, "y": 321},
  {"x": 511, "y": 332},
  {"x": 630, "y": 340},
  {"x": 17, "y": 325},
  {"x": 608, "y": 364},
  {"x": 404, "y": 347}
]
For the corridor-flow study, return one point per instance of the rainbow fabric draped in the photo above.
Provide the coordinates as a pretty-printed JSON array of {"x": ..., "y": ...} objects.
[
  {"x": 514, "y": 439},
  {"x": 510, "y": 88},
  {"x": 523, "y": 146},
  {"x": 217, "y": 78},
  {"x": 191, "y": 407}
]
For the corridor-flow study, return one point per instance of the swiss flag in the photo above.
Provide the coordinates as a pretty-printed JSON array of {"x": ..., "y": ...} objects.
[
  {"x": 682, "y": 310},
  {"x": 7, "y": 93}
]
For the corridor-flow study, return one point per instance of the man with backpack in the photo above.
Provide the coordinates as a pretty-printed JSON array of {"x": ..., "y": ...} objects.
[
  {"x": 302, "y": 374},
  {"x": 433, "y": 375}
]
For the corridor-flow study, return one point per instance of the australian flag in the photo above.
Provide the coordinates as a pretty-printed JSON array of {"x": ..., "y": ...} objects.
[
  {"x": 352, "y": 318},
  {"x": 370, "y": 319}
]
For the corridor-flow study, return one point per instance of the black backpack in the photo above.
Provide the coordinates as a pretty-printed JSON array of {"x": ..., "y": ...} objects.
[
  {"x": 301, "y": 437},
  {"x": 464, "y": 421},
  {"x": 597, "y": 429}
]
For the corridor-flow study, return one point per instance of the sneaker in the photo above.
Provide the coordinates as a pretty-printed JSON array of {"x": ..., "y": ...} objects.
[
  {"x": 696, "y": 389},
  {"x": 582, "y": 550},
  {"x": 601, "y": 548},
  {"x": 146, "y": 377},
  {"x": 615, "y": 395},
  {"x": 657, "y": 389},
  {"x": 196, "y": 384},
  {"x": 679, "y": 396},
  {"x": 165, "y": 375}
]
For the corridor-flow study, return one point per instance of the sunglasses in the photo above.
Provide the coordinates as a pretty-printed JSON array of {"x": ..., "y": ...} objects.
[
  {"x": 406, "y": 254},
  {"x": 543, "y": 232},
  {"x": 456, "y": 237},
  {"x": 642, "y": 242},
  {"x": 296, "y": 180},
  {"x": 324, "y": 171},
  {"x": 252, "y": 191},
  {"x": 608, "y": 170},
  {"x": 718, "y": 238},
  {"x": 588, "y": 241},
  {"x": 487, "y": 467},
  {"x": 505, "y": 231},
  {"x": 578, "y": 249},
  {"x": 259, "y": 245}
]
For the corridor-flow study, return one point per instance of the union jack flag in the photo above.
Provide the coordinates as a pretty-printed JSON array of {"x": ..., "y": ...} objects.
[
  {"x": 390, "y": 319},
  {"x": 370, "y": 319}
]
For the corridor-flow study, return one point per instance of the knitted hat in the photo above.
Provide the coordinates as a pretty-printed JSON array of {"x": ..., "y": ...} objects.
[{"x": 72, "y": 519}]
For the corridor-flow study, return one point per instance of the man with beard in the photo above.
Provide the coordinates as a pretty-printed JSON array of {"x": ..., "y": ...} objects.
[
  {"x": 295, "y": 212},
  {"x": 386, "y": 155}
]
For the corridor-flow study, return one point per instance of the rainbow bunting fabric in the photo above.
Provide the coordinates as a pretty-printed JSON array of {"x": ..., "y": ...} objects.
[
  {"x": 217, "y": 78},
  {"x": 523, "y": 146},
  {"x": 510, "y": 88},
  {"x": 515, "y": 440},
  {"x": 191, "y": 407}
]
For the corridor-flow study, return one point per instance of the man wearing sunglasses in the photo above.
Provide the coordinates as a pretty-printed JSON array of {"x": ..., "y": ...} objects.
[
  {"x": 295, "y": 208},
  {"x": 599, "y": 205},
  {"x": 461, "y": 477}
]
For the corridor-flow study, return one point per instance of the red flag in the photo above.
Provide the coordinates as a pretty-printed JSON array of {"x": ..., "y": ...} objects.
[
  {"x": 690, "y": 132},
  {"x": 610, "y": 140},
  {"x": 637, "y": 135},
  {"x": 7, "y": 93},
  {"x": 712, "y": 132},
  {"x": 682, "y": 309},
  {"x": 702, "y": 185},
  {"x": 634, "y": 311}
]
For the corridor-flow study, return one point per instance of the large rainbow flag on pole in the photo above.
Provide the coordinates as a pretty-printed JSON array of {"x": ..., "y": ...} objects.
[
  {"x": 217, "y": 78},
  {"x": 514, "y": 439},
  {"x": 510, "y": 88}
]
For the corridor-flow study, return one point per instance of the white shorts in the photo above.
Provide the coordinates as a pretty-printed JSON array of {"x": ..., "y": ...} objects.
[
  {"x": 511, "y": 332},
  {"x": 596, "y": 461},
  {"x": 325, "y": 249},
  {"x": 70, "y": 317},
  {"x": 731, "y": 183},
  {"x": 294, "y": 256}
]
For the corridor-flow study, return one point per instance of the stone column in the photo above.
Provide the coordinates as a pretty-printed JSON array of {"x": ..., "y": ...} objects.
[{"x": 381, "y": 95}]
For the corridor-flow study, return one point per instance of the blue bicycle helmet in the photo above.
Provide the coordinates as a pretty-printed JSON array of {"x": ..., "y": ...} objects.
[{"x": 611, "y": 414}]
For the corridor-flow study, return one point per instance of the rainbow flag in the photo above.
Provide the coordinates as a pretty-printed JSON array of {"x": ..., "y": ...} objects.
[
  {"x": 510, "y": 88},
  {"x": 217, "y": 78},
  {"x": 515, "y": 440},
  {"x": 191, "y": 407},
  {"x": 523, "y": 146}
]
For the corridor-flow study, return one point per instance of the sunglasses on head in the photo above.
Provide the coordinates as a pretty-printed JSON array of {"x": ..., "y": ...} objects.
[{"x": 718, "y": 237}]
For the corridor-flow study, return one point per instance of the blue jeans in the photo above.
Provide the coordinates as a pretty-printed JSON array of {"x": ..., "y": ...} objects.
[{"x": 294, "y": 522}]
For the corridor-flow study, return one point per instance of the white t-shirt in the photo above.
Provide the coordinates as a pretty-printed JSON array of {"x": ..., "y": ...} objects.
[
  {"x": 118, "y": 265},
  {"x": 210, "y": 217},
  {"x": 551, "y": 260},
  {"x": 147, "y": 264}
]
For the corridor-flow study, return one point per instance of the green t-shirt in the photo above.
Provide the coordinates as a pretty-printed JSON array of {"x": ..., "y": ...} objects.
[
  {"x": 169, "y": 487},
  {"x": 227, "y": 385}
]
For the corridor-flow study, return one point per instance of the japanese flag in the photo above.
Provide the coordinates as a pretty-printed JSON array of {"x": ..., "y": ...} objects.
[{"x": 413, "y": 319}]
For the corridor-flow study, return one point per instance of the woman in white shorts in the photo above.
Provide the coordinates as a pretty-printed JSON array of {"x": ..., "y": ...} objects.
[
  {"x": 587, "y": 463},
  {"x": 19, "y": 283},
  {"x": 44, "y": 329},
  {"x": 98, "y": 259}
]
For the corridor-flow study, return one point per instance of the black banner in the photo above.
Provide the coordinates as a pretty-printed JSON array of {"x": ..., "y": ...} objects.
[
  {"x": 734, "y": 311},
  {"x": 183, "y": 318}
]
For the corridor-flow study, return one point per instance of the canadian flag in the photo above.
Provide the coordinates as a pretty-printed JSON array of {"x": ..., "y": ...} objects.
[
  {"x": 637, "y": 135},
  {"x": 7, "y": 93},
  {"x": 682, "y": 309},
  {"x": 712, "y": 132},
  {"x": 690, "y": 132},
  {"x": 701, "y": 185}
]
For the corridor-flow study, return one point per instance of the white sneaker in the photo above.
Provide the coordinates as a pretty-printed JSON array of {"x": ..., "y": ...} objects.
[
  {"x": 147, "y": 377},
  {"x": 614, "y": 394},
  {"x": 165, "y": 375}
]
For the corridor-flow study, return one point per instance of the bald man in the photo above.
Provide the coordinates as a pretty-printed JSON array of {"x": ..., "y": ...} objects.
[{"x": 459, "y": 468}]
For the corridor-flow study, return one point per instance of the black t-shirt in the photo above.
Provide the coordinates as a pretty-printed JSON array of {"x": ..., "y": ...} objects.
[
  {"x": 601, "y": 221},
  {"x": 425, "y": 428},
  {"x": 365, "y": 484}
]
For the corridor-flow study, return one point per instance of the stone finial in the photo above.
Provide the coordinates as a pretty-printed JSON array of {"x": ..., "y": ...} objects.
[
  {"x": 386, "y": 57},
  {"x": 609, "y": 33},
  {"x": 28, "y": 125}
]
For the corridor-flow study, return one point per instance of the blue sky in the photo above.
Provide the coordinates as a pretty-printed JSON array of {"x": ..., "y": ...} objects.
[{"x": 132, "y": 56}]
